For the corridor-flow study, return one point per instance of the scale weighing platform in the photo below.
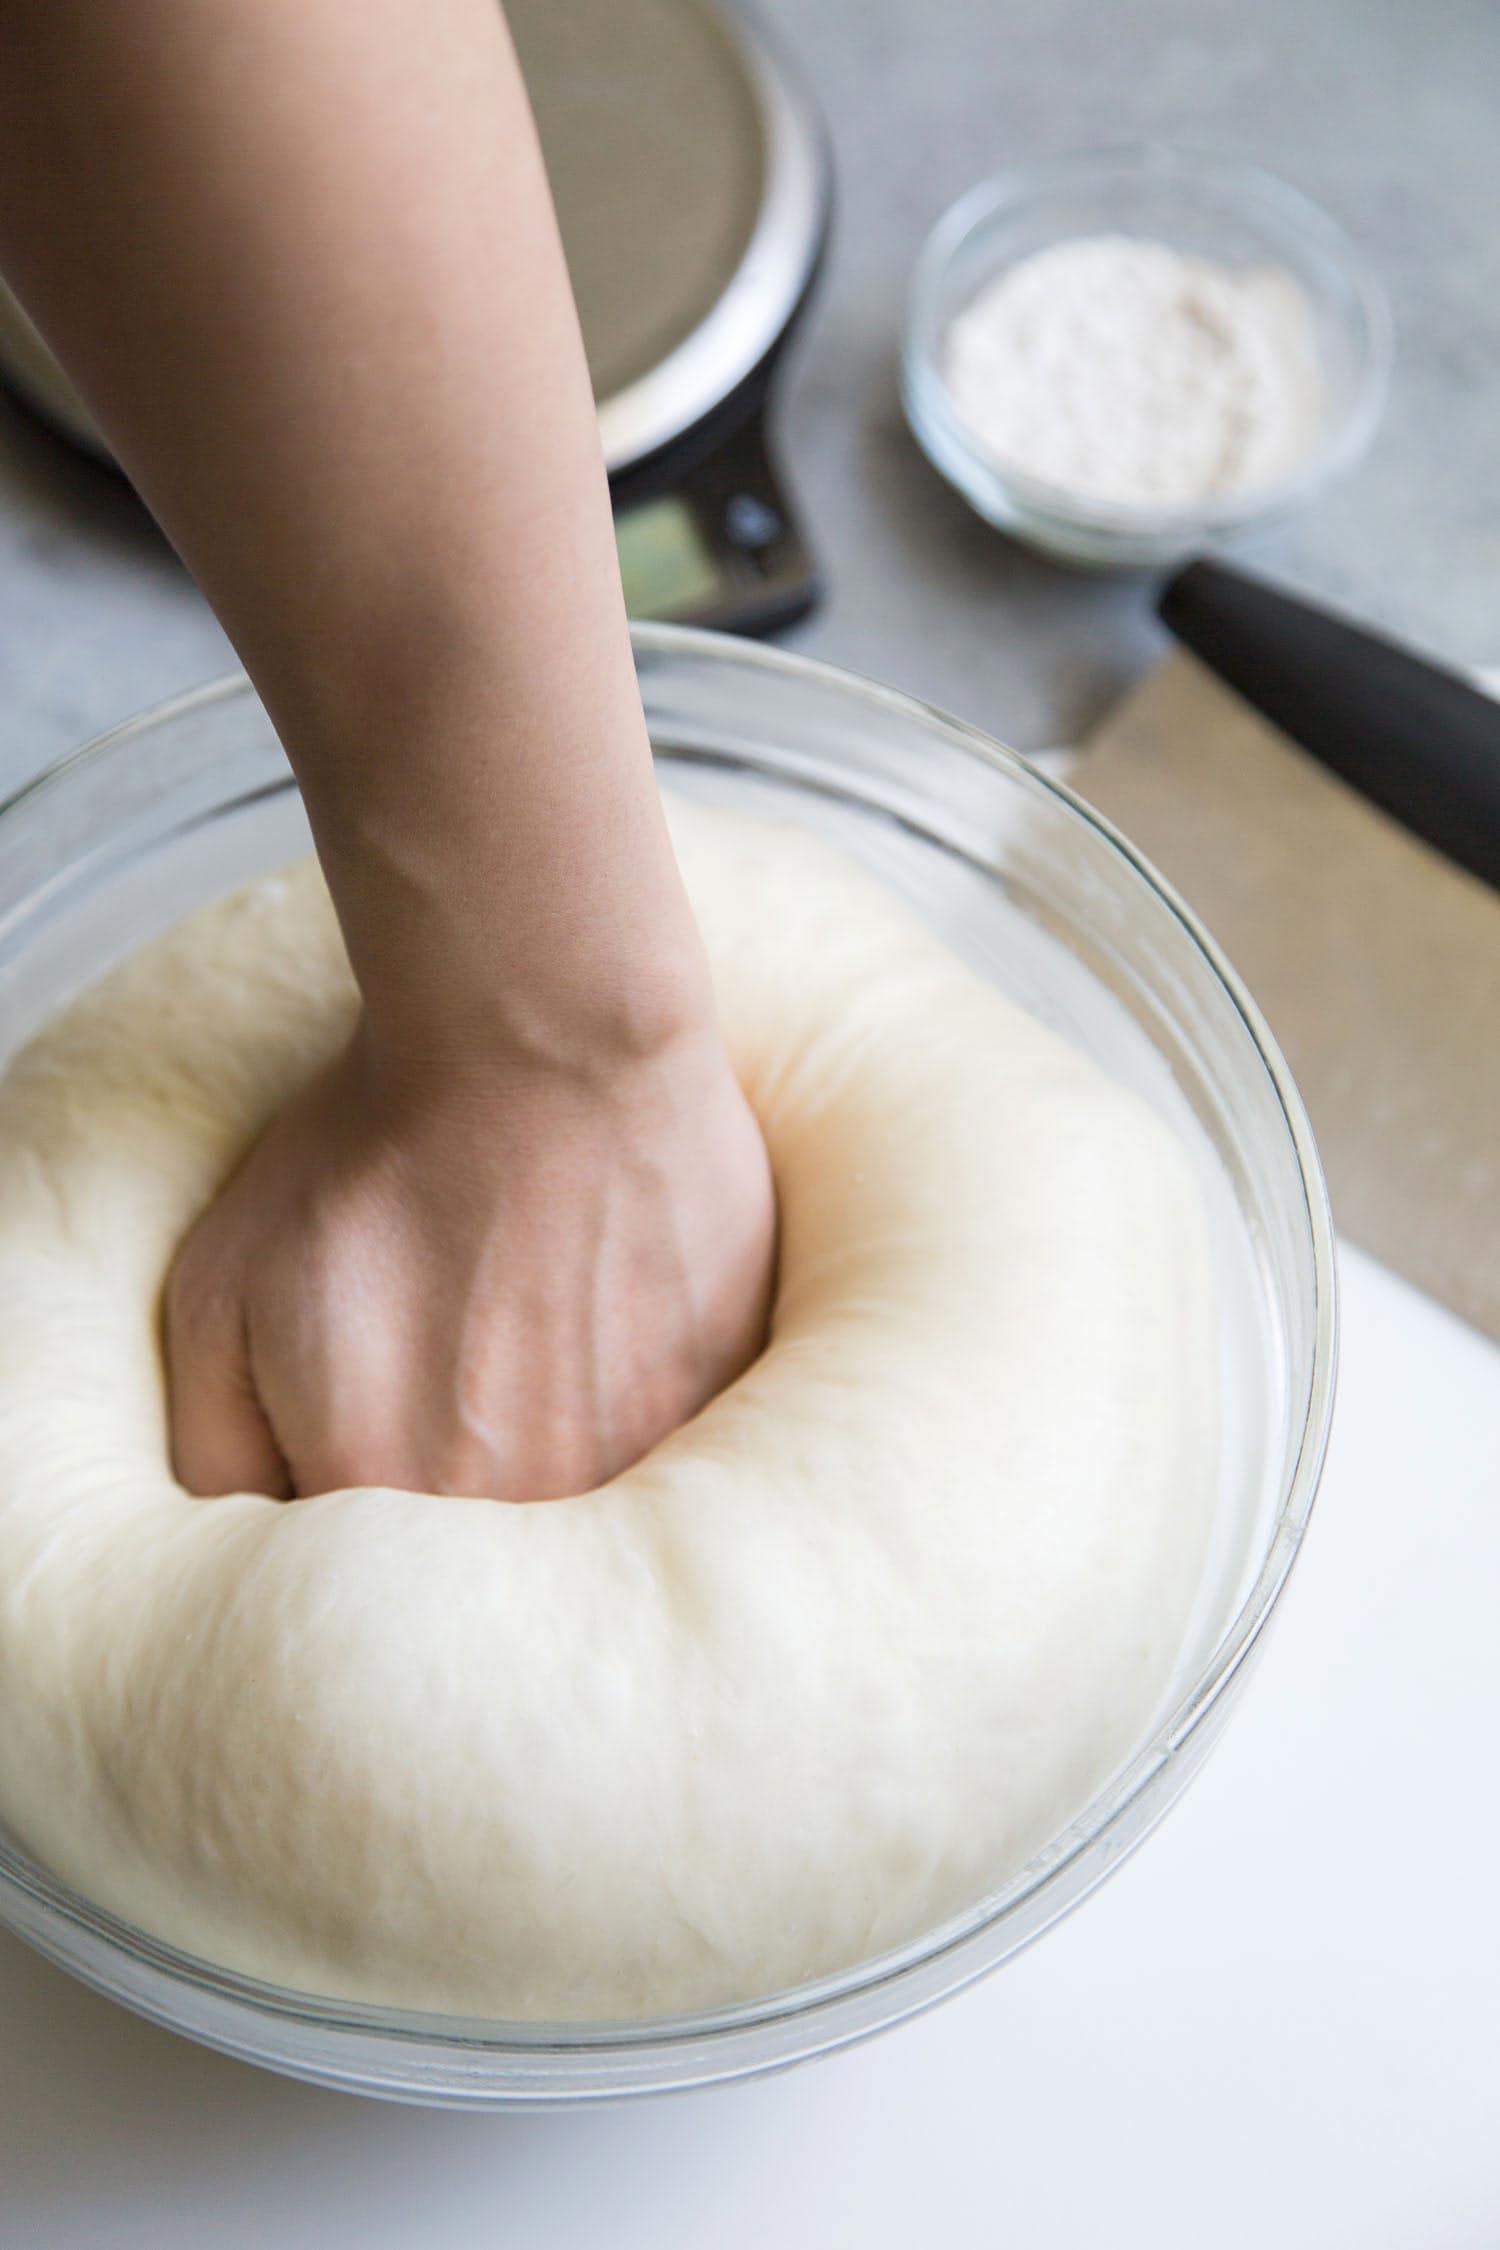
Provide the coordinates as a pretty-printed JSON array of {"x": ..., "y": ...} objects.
[{"x": 692, "y": 179}]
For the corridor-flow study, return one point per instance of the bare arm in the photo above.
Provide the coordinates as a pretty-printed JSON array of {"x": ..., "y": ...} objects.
[{"x": 301, "y": 259}]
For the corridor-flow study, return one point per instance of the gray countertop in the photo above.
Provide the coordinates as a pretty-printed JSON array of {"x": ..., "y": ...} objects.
[{"x": 1382, "y": 109}]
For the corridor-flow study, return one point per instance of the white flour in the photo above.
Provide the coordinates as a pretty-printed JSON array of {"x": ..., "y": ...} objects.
[{"x": 1124, "y": 371}]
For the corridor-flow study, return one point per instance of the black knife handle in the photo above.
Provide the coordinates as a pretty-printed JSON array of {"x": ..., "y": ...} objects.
[{"x": 1419, "y": 741}]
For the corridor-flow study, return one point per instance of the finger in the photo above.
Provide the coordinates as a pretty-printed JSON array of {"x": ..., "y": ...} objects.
[{"x": 221, "y": 1439}]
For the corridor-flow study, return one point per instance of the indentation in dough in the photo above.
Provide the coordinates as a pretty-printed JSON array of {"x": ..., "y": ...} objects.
[{"x": 822, "y": 1670}]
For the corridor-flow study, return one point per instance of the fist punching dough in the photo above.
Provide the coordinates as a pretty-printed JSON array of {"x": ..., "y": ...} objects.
[{"x": 822, "y": 1669}]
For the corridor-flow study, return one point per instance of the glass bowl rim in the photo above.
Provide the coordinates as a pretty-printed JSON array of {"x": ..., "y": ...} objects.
[
  {"x": 925, "y": 392},
  {"x": 712, "y": 2044}
]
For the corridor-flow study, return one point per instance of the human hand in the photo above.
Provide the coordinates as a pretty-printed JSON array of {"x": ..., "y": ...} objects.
[{"x": 507, "y": 1284}]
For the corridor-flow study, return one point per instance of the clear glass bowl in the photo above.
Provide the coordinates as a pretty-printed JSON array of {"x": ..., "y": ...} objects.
[
  {"x": 126, "y": 835},
  {"x": 1210, "y": 206}
]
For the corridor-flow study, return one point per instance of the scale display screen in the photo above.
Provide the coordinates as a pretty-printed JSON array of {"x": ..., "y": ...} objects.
[{"x": 666, "y": 564}]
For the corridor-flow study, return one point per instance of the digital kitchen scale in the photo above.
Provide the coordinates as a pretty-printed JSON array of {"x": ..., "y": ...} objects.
[{"x": 691, "y": 174}]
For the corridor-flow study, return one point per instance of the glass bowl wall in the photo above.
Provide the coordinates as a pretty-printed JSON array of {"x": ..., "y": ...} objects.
[{"x": 1044, "y": 899}]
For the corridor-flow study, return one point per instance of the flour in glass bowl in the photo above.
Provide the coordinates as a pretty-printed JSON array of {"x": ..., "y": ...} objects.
[{"x": 1122, "y": 371}]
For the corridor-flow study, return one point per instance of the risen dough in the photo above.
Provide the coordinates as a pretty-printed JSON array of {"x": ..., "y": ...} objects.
[{"x": 823, "y": 1669}]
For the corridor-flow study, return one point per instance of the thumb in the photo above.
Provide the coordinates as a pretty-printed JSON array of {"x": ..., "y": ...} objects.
[{"x": 221, "y": 1439}]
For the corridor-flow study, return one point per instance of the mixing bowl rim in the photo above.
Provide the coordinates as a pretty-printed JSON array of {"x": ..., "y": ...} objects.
[{"x": 948, "y": 1949}]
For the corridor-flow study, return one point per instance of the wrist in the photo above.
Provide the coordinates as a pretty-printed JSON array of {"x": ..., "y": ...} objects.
[
  {"x": 525, "y": 926},
  {"x": 595, "y": 1027}
]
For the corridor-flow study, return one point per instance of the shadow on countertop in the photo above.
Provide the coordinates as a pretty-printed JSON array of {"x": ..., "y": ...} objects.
[{"x": 63, "y": 493}]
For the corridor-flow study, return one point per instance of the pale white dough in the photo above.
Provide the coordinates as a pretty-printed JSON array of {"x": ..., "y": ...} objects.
[{"x": 821, "y": 1671}]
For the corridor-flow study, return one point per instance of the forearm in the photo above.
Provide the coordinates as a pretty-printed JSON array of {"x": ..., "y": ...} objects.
[{"x": 301, "y": 259}]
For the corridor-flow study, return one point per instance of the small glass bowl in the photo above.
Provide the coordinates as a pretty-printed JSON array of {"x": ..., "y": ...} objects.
[
  {"x": 1052, "y": 906},
  {"x": 1208, "y": 206}
]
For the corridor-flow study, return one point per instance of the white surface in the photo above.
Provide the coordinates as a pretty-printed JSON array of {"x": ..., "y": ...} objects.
[{"x": 1278, "y": 2028}]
